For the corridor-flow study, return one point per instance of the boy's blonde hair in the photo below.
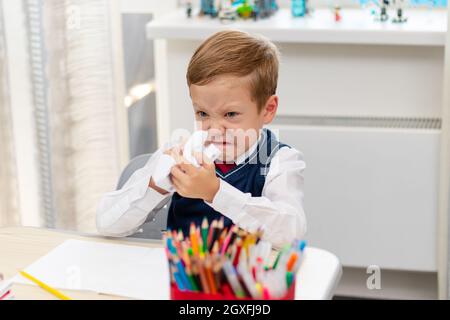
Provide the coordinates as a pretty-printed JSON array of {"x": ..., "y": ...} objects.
[{"x": 238, "y": 54}]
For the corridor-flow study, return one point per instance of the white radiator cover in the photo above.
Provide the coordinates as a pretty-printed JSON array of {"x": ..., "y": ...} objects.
[{"x": 371, "y": 194}]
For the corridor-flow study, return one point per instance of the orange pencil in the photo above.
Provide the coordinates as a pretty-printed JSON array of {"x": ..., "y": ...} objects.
[
  {"x": 291, "y": 262},
  {"x": 209, "y": 275},
  {"x": 194, "y": 240}
]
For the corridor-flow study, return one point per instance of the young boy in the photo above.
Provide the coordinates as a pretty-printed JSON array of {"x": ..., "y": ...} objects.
[{"x": 257, "y": 183}]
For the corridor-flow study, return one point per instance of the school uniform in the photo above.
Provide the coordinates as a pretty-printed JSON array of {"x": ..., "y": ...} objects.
[{"x": 262, "y": 190}]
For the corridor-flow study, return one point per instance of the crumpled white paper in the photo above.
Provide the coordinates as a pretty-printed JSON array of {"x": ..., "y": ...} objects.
[{"x": 196, "y": 143}]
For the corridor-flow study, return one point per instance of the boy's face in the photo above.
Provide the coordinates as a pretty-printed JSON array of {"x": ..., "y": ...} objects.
[{"x": 224, "y": 108}]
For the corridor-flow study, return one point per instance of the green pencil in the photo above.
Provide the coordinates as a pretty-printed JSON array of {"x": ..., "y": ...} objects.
[
  {"x": 280, "y": 253},
  {"x": 205, "y": 230}
]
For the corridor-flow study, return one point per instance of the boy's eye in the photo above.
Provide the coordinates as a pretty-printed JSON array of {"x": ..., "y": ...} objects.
[
  {"x": 201, "y": 114},
  {"x": 231, "y": 114}
]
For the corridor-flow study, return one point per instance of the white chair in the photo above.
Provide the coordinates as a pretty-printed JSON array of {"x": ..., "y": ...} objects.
[{"x": 152, "y": 228}]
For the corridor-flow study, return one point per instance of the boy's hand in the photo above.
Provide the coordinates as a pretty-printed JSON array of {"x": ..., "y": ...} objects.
[{"x": 196, "y": 183}]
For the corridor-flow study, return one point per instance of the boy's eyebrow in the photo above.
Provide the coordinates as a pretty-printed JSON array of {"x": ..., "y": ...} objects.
[
  {"x": 197, "y": 106},
  {"x": 231, "y": 108},
  {"x": 226, "y": 108}
]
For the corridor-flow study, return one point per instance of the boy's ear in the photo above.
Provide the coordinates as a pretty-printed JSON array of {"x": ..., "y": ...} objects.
[{"x": 270, "y": 109}]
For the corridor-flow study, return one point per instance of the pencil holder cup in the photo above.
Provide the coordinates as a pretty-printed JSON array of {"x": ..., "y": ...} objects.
[{"x": 225, "y": 294}]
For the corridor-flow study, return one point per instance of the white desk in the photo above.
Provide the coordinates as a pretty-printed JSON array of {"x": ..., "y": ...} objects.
[{"x": 318, "y": 276}]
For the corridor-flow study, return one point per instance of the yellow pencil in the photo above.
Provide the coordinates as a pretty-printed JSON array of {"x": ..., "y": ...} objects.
[{"x": 45, "y": 286}]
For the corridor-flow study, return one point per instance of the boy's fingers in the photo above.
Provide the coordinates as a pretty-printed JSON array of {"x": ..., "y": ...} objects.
[
  {"x": 177, "y": 173},
  {"x": 175, "y": 182},
  {"x": 187, "y": 167}
]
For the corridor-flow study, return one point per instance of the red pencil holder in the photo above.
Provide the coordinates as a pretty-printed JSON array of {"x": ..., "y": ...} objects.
[{"x": 226, "y": 294}]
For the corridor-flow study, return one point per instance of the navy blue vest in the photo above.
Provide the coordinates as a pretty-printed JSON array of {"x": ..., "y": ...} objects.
[{"x": 249, "y": 177}]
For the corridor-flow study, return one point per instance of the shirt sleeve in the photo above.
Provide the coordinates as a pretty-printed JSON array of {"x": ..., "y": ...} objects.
[
  {"x": 279, "y": 210},
  {"x": 121, "y": 213}
]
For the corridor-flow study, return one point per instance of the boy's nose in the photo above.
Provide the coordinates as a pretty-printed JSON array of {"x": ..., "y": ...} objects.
[{"x": 216, "y": 128}]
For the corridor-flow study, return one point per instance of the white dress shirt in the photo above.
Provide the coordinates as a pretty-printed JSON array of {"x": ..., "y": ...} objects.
[{"x": 278, "y": 211}]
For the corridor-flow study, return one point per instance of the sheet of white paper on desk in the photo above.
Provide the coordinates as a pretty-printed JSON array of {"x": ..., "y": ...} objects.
[{"x": 122, "y": 270}]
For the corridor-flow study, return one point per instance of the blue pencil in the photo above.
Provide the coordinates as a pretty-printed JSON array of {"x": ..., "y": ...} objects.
[
  {"x": 183, "y": 274},
  {"x": 179, "y": 281}
]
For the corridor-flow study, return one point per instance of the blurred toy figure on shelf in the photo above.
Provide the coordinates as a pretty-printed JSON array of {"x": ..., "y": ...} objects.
[
  {"x": 226, "y": 11},
  {"x": 381, "y": 11},
  {"x": 189, "y": 8},
  {"x": 265, "y": 8},
  {"x": 299, "y": 8},
  {"x": 383, "y": 15},
  {"x": 337, "y": 13},
  {"x": 230, "y": 10},
  {"x": 245, "y": 10},
  {"x": 256, "y": 9},
  {"x": 399, "y": 8},
  {"x": 208, "y": 8}
]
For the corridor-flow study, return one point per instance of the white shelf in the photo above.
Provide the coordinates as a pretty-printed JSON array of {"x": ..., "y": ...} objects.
[{"x": 424, "y": 28}]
